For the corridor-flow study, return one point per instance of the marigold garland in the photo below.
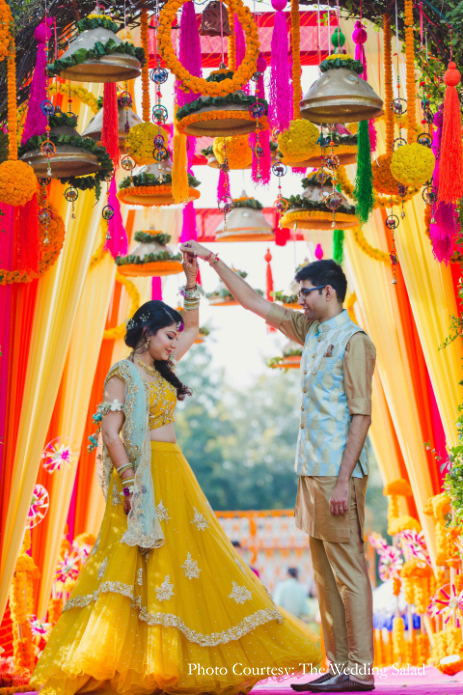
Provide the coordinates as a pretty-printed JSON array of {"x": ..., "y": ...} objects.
[
  {"x": 410, "y": 61},
  {"x": 66, "y": 89},
  {"x": 315, "y": 215},
  {"x": 296, "y": 56},
  {"x": 12, "y": 104},
  {"x": 157, "y": 191},
  {"x": 18, "y": 183},
  {"x": 145, "y": 83},
  {"x": 388, "y": 89},
  {"x": 399, "y": 487},
  {"x": 377, "y": 254},
  {"x": 404, "y": 523},
  {"x": 198, "y": 84},
  {"x": 101, "y": 251},
  {"x": 119, "y": 331},
  {"x": 219, "y": 116},
  {"x": 231, "y": 46},
  {"x": 239, "y": 154},
  {"x": 6, "y": 21}
]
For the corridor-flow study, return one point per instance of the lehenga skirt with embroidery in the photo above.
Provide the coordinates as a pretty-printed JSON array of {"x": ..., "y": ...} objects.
[{"x": 191, "y": 618}]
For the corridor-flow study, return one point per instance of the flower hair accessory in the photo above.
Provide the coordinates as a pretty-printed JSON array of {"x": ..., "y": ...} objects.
[{"x": 133, "y": 323}]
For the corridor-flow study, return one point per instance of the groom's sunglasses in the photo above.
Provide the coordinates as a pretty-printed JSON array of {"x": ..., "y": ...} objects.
[{"x": 305, "y": 291}]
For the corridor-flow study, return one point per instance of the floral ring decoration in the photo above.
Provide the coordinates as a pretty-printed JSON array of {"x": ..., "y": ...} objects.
[{"x": 197, "y": 84}]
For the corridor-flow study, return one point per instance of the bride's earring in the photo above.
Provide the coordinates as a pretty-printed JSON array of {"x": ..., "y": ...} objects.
[{"x": 147, "y": 345}]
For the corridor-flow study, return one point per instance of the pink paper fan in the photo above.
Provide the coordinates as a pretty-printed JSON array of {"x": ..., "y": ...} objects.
[
  {"x": 39, "y": 506},
  {"x": 58, "y": 453}
]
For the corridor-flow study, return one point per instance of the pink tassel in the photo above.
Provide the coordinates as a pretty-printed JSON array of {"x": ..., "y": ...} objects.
[
  {"x": 265, "y": 161},
  {"x": 36, "y": 121},
  {"x": 240, "y": 50},
  {"x": 223, "y": 187},
  {"x": 189, "y": 52},
  {"x": 299, "y": 170},
  {"x": 446, "y": 227},
  {"x": 156, "y": 288},
  {"x": 118, "y": 244},
  {"x": 359, "y": 37},
  {"x": 189, "y": 229},
  {"x": 280, "y": 79}
]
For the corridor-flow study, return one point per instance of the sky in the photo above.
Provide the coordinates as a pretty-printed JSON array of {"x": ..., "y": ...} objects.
[{"x": 239, "y": 340}]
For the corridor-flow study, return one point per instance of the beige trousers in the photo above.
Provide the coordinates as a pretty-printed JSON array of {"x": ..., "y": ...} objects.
[{"x": 340, "y": 571}]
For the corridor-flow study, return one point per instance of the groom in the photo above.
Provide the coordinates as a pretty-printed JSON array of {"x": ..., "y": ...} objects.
[{"x": 337, "y": 366}]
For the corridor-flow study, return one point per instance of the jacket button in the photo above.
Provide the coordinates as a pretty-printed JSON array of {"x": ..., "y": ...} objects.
[
  {"x": 302, "y": 407},
  {"x": 304, "y": 390},
  {"x": 302, "y": 427},
  {"x": 305, "y": 371}
]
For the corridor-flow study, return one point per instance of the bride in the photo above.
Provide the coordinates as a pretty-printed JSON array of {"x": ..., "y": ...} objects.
[{"x": 164, "y": 603}]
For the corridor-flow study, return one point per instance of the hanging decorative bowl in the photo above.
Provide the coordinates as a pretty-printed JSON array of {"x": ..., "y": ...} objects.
[
  {"x": 98, "y": 55},
  {"x": 152, "y": 185},
  {"x": 222, "y": 295},
  {"x": 311, "y": 211},
  {"x": 291, "y": 358},
  {"x": 246, "y": 222},
  {"x": 340, "y": 95},
  {"x": 94, "y": 128},
  {"x": 233, "y": 114},
  {"x": 75, "y": 158},
  {"x": 151, "y": 257}
]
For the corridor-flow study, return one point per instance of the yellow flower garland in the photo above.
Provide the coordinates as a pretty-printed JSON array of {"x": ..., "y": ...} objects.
[
  {"x": 388, "y": 89},
  {"x": 145, "y": 83},
  {"x": 411, "y": 82},
  {"x": 296, "y": 56},
  {"x": 76, "y": 91},
  {"x": 368, "y": 249},
  {"x": 101, "y": 251},
  {"x": 198, "y": 84},
  {"x": 119, "y": 331}
]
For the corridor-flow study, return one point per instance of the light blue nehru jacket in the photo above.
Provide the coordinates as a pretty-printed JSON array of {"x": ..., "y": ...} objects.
[{"x": 325, "y": 418}]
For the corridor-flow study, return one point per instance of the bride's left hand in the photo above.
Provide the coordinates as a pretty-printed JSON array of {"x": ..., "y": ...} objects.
[{"x": 190, "y": 268}]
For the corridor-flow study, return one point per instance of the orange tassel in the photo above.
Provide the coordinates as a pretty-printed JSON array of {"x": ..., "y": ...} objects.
[
  {"x": 451, "y": 150},
  {"x": 110, "y": 130},
  {"x": 28, "y": 240}
]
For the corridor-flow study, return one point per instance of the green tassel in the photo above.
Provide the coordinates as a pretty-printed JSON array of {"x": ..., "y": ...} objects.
[
  {"x": 338, "y": 246},
  {"x": 363, "y": 191}
]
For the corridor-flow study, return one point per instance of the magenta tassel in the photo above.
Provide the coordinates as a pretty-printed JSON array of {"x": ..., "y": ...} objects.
[
  {"x": 156, "y": 288},
  {"x": 240, "y": 50},
  {"x": 189, "y": 230},
  {"x": 373, "y": 135},
  {"x": 299, "y": 170},
  {"x": 280, "y": 79},
  {"x": 265, "y": 161},
  {"x": 223, "y": 186},
  {"x": 36, "y": 121},
  {"x": 446, "y": 227},
  {"x": 118, "y": 244},
  {"x": 189, "y": 52}
]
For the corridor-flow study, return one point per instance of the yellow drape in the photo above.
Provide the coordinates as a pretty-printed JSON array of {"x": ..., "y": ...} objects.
[
  {"x": 78, "y": 379},
  {"x": 59, "y": 292},
  {"x": 371, "y": 281}
]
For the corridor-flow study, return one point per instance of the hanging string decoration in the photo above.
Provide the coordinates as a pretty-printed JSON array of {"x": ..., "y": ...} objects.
[
  {"x": 240, "y": 48},
  {"x": 280, "y": 89},
  {"x": 116, "y": 242},
  {"x": 38, "y": 507},
  {"x": 296, "y": 58},
  {"x": 57, "y": 454},
  {"x": 359, "y": 37}
]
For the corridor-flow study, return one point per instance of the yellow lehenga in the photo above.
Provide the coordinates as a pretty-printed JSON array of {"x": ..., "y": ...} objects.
[{"x": 189, "y": 617}]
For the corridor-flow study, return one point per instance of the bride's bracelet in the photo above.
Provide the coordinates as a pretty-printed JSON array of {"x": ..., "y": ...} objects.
[{"x": 191, "y": 297}]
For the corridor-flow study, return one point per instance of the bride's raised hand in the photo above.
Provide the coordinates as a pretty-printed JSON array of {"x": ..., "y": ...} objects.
[
  {"x": 194, "y": 248},
  {"x": 190, "y": 268}
]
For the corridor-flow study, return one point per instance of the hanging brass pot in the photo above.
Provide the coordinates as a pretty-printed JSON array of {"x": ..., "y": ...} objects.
[
  {"x": 214, "y": 20},
  {"x": 340, "y": 95},
  {"x": 245, "y": 223},
  {"x": 67, "y": 160},
  {"x": 116, "y": 67},
  {"x": 94, "y": 128}
]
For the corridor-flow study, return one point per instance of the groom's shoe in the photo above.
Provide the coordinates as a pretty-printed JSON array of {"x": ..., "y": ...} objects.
[
  {"x": 304, "y": 687},
  {"x": 342, "y": 684}
]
